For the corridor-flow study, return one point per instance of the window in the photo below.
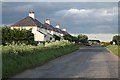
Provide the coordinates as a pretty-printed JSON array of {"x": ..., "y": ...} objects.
[{"x": 50, "y": 38}]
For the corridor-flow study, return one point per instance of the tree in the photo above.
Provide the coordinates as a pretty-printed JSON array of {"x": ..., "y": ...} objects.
[
  {"x": 68, "y": 37},
  {"x": 17, "y": 36},
  {"x": 83, "y": 38},
  {"x": 116, "y": 39},
  {"x": 75, "y": 39},
  {"x": 71, "y": 38}
]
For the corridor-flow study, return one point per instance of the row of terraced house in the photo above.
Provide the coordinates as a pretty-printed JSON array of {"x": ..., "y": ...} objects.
[{"x": 42, "y": 32}]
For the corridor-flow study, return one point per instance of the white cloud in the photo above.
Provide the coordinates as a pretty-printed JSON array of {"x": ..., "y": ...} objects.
[
  {"x": 77, "y": 12},
  {"x": 80, "y": 11},
  {"x": 102, "y": 20},
  {"x": 89, "y": 12}
]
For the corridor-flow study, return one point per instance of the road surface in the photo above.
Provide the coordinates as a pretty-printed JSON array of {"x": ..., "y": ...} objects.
[{"x": 90, "y": 62}]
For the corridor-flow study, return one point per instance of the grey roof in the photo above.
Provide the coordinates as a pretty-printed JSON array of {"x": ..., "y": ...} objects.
[
  {"x": 28, "y": 21},
  {"x": 65, "y": 32},
  {"x": 49, "y": 27},
  {"x": 58, "y": 30}
]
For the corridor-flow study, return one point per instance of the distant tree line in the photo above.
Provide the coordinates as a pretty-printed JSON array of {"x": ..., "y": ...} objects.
[
  {"x": 83, "y": 39},
  {"x": 17, "y": 36}
]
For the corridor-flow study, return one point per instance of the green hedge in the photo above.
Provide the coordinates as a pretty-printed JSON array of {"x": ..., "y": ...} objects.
[{"x": 17, "y": 36}]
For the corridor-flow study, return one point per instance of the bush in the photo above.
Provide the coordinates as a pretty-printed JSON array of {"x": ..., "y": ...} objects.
[
  {"x": 71, "y": 38},
  {"x": 116, "y": 39},
  {"x": 104, "y": 44},
  {"x": 68, "y": 37},
  {"x": 17, "y": 36},
  {"x": 83, "y": 38}
]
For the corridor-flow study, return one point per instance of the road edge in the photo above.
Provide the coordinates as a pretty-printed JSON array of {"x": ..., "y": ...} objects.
[{"x": 112, "y": 53}]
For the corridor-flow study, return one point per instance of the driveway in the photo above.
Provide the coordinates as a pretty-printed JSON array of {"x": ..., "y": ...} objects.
[{"x": 90, "y": 62}]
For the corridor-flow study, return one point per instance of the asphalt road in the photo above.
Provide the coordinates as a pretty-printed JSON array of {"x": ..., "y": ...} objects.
[{"x": 90, "y": 62}]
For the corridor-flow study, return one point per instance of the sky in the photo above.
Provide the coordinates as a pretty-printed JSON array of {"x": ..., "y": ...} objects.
[
  {"x": 60, "y": 0},
  {"x": 76, "y": 17}
]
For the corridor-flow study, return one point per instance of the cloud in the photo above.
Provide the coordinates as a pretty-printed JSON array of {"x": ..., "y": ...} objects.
[
  {"x": 75, "y": 12},
  {"x": 88, "y": 12},
  {"x": 77, "y": 17},
  {"x": 94, "y": 20}
]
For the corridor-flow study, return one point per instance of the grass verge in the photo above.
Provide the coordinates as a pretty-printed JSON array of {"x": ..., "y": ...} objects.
[
  {"x": 115, "y": 49},
  {"x": 17, "y": 58}
]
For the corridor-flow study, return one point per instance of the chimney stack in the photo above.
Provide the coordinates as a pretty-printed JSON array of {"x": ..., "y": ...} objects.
[
  {"x": 57, "y": 26},
  {"x": 47, "y": 21},
  {"x": 64, "y": 29},
  {"x": 32, "y": 14}
]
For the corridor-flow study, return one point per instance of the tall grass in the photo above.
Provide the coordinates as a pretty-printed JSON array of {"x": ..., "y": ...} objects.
[
  {"x": 115, "y": 49},
  {"x": 17, "y": 58}
]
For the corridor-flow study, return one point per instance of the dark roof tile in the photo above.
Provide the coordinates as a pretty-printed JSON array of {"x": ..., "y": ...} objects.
[
  {"x": 28, "y": 21},
  {"x": 38, "y": 23},
  {"x": 64, "y": 32},
  {"x": 58, "y": 30},
  {"x": 49, "y": 27}
]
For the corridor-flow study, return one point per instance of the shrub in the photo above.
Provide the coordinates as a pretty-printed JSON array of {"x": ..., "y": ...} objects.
[
  {"x": 71, "y": 38},
  {"x": 104, "y": 44},
  {"x": 68, "y": 37},
  {"x": 17, "y": 36},
  {"x": 83, "y": 38},
  {"x": 116, "y": 39}
]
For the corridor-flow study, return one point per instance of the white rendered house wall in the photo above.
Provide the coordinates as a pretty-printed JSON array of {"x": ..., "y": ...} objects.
[{"x": 37, "y": 35}]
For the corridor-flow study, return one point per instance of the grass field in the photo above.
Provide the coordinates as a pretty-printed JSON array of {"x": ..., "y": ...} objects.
[
  {"x": 115, "y": 49},
  {"x": 17, "y": 58}
]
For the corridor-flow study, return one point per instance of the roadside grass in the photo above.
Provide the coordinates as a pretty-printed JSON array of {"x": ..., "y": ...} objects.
[
  {"x": 17, "y": 58},
  {"x": 115, "y": 49}
]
